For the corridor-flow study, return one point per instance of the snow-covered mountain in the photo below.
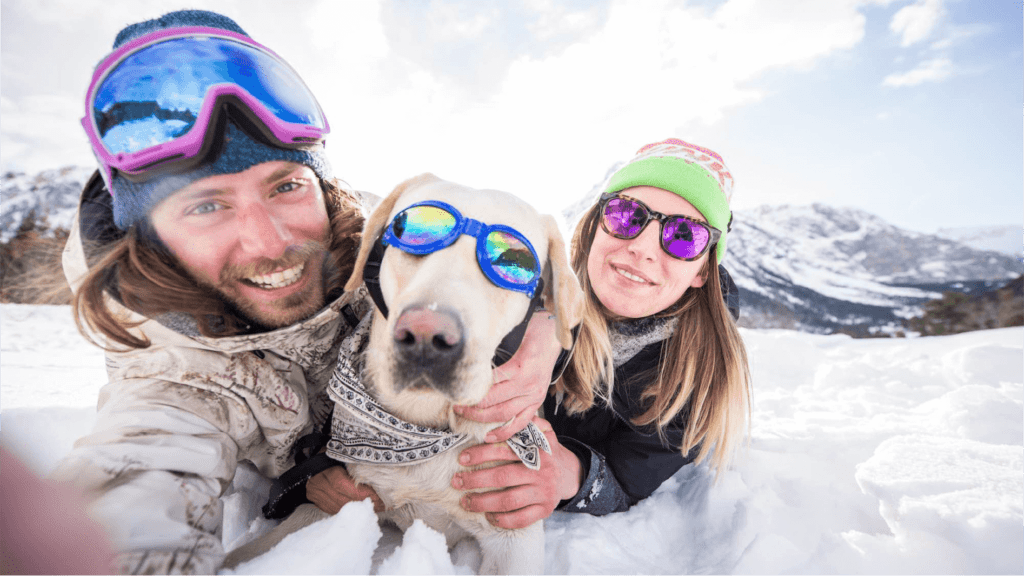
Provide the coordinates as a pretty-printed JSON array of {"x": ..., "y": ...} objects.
[
  {"x": 815, "y": 268},
  {"x": 822, "y": 268},
  {"x": 53, "y": 194}
]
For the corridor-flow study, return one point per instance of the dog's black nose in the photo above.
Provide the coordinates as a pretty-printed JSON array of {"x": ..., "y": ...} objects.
[{"x": 429, "y": 344}]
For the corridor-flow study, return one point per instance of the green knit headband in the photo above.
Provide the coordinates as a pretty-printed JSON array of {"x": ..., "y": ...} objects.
[{"x": 687, "y": 179}]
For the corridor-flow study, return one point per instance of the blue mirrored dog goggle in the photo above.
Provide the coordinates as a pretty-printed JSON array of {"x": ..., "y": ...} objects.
[{"x": 505, "y": 256}]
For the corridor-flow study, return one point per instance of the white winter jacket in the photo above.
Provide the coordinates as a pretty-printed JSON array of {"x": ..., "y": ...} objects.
[{"x": 176, "y": 418}]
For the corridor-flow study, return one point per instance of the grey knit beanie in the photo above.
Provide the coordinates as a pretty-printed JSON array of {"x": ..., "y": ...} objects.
[{"x": 239, "y": 152}]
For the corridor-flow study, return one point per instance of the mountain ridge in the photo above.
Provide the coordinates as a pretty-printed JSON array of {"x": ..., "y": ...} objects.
[{"x": 816, "y": 267}]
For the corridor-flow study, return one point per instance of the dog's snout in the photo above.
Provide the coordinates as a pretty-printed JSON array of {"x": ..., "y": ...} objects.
[
  {"x": 432, "y": 329},
  {"x": 422, "y": 326},
  {"x": 429, "y": 342}
]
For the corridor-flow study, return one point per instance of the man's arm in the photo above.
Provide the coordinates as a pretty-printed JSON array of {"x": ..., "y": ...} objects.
[{"x": 153, "y": 474}]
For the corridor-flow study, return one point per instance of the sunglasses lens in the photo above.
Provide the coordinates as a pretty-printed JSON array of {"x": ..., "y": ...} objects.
[
  {"x": 624, "y": 217},
  {"x": 421, "y": 225},
  {"x": 683, "y": 238},
  {"x": 510, "y": 258}
]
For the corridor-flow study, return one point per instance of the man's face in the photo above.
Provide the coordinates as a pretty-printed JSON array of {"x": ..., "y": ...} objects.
[{"x": 258, "y": 237}]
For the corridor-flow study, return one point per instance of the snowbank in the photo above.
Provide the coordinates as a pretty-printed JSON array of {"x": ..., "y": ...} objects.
[{"x": 866, "y": 456}]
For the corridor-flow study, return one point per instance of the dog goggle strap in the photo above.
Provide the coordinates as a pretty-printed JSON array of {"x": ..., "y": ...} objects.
[
  {"x": 681, "y": 237},
  {"x": 152, "y": 102},
  {"x": 505, "y": 256}
]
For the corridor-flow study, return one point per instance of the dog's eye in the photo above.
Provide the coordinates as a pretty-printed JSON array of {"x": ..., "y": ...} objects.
[
  {"x": 511, "y": 258},
  {"x": 421, "y": 225}
]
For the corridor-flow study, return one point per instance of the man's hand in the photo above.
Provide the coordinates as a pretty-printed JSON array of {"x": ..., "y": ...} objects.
[
  {"x": 521, "y": 384},
  {"x": 333, "y": 488},
  {"x": 519, "y": 496}
]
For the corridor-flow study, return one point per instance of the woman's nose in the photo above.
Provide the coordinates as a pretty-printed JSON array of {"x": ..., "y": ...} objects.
[
  {"x": 647, "y": 245},
  {"x": 262, "y": 233}
]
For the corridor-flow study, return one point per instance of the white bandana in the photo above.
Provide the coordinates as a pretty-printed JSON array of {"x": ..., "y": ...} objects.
[{"x": 363, "y": 432}]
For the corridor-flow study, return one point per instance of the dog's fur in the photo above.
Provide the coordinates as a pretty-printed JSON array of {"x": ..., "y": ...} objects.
[{"x": 448, "y": 282}]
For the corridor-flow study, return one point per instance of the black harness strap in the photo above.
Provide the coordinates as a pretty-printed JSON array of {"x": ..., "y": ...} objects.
[{"x": 371, "y": 274}]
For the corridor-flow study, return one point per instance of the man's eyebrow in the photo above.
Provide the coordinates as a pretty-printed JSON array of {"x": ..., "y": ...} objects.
[
  {"x": 202, "y": 194},
  {"x": 278, "y": 174}
]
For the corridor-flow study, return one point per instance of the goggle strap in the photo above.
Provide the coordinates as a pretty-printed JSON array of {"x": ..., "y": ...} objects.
[
  {"x": 371, "y": 275},
  {"x": 510, "y": 343}
]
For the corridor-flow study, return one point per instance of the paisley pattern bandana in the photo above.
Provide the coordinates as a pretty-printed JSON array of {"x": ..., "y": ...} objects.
[{"x": 363, "y": 432}]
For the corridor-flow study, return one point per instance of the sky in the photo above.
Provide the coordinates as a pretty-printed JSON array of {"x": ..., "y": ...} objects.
[{"x": 910, "y": 110}]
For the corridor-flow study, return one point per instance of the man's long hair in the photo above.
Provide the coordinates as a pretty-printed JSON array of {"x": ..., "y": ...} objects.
[
  {"x": 141, "y": 273},
  {"x": 702, "y": 375}
]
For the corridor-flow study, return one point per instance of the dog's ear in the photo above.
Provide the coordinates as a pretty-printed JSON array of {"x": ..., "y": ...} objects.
[
  {"x": 562, "y": 292},
  {"x": 376, "y": 223}
]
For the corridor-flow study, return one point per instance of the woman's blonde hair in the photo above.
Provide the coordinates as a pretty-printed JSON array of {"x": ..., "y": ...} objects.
[
  {"x": 702, "y": 375},
  {"x": 139, "y": 272}
]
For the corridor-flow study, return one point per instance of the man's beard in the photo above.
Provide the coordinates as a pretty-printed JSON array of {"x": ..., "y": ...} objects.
[{"x": 286, "y": 310}]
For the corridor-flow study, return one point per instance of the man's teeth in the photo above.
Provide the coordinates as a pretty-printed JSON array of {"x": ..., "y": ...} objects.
[
  {"x": 632, "y": 277},
  {"x": 278, "y": 279}
]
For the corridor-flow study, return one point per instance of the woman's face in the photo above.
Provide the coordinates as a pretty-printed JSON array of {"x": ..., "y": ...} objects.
[{"x": 636, "y": 278}]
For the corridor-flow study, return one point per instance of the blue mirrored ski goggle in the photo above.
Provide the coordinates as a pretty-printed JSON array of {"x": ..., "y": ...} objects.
[
  {"x": 505, "y": 256},
  {"x": 153, "y": 101}
]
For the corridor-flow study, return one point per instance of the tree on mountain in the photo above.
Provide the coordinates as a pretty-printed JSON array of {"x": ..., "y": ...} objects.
[{"x": 956, "y": 312}]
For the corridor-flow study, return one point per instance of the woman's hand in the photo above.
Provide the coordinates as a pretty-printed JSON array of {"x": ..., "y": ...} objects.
[
  {"x": 519, "y": 496},
  {"x": 521, "y": 384},
  {"x": 333, "y": 488}
]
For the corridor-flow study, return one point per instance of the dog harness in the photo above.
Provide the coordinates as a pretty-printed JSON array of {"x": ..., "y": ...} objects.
[{"x": 364, "y": 432}]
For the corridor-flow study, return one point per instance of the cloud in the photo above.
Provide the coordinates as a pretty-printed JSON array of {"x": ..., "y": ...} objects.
[
  {"x": 36, "y": 137},
  {"x": 538, "y": 98},
  {"x": 555, "y": 121},
  {"x": 915, "y": 22},
  {"x": 470, "y": 44},
  {"x": 934, "y": 70}
]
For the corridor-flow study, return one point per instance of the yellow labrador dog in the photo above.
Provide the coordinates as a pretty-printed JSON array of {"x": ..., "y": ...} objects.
[{"x": 460, "y": 271}]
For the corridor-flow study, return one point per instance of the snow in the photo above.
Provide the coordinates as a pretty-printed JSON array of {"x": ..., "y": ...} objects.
[
  {"x": 342, "y": 544},
  {"x": 866, "y": 456}
]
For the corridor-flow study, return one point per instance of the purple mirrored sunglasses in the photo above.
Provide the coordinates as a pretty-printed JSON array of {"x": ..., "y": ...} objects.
[{"x": 681, "y": 237}]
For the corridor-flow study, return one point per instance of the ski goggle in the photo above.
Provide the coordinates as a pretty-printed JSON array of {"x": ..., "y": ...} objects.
[
  {"x": 681, "y": 237},
  {"x": 152, "y": 102},
  {"x": 505, "y": 256}
]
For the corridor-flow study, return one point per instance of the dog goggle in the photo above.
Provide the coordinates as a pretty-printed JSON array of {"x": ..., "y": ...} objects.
[
  {"x": 505, "y": 256},
  {"x": 153, "y": 101},
  {"x": 681, "y": 237}
]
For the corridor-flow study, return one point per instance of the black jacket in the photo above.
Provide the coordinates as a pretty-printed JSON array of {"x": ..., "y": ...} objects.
[{"x": 624, "y": 463}]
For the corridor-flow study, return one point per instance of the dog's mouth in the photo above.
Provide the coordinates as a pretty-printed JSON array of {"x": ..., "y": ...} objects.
[{"x": 427, "y": 380}]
